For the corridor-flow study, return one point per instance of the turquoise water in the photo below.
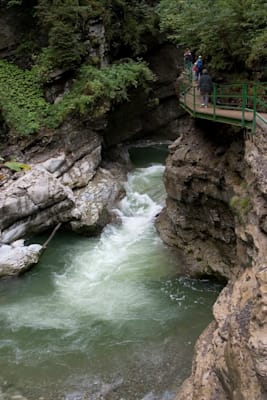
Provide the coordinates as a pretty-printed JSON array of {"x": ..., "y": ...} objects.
[{"x": 104, "y": 316}]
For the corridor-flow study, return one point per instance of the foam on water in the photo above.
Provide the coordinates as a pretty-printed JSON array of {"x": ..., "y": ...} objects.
[
  {"x": 101, "y": 308},
  {"x": 108, "y": 280},
  {"x": 105, "y": 279}
]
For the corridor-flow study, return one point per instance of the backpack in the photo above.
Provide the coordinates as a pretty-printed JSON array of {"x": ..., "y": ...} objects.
[{"x": 199, "y": 64}]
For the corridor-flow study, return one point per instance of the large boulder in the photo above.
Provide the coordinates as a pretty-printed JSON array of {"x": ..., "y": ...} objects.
[
  {"x": 95, "y": 202},
  {"x": 33, "y": 203},
  {"x": 17, "y": 258}
]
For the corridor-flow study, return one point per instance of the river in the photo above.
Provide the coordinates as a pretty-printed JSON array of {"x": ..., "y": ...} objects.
[{"x": 105, "y": 316}]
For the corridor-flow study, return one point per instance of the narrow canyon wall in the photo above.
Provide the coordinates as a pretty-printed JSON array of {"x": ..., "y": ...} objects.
[
  {"x": 74, "y": 179},
  {"x": 216, "y": 211},
  {"x": 155, "y": 114}
]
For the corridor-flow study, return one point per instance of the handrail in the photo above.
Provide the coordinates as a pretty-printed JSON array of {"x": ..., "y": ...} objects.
[{"x": 248, "y": 98}]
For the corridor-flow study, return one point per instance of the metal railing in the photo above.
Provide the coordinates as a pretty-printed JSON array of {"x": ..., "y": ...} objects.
[{"x": 248, "y": 99}]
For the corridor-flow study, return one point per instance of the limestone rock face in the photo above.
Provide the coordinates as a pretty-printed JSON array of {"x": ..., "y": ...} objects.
[
  {"x": 31, "y": 204},
  {"x": 38, "y": 201},
  {"x": 61, "y": 162},
  {"x": 74, "y": 172},
  {"x": 65, "y": 185},
  {"x": 215, "y": 215},
  {"x": 198, "y": 219},
  {"x": 94, "y": 202}
]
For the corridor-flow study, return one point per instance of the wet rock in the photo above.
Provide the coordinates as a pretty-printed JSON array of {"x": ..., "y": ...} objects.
[
  {"x": 95, "y": 202},
  {"x": 32, "y": 203},
  {"x": 230, "y": 360},
  {"x": 18, "y": 258},
  {"x": 8, "y": 34},
  {"x": 197, "y": 219},
  {"x": 83, "y": 170}
]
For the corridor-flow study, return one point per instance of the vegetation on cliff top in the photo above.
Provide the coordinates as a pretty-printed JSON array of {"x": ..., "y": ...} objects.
[
  {"x": 64, "y": 40},
  {"x": 230, "y": 34},
  {"x": 64, "y": 27},
  {"x": 25, "y": 109}
]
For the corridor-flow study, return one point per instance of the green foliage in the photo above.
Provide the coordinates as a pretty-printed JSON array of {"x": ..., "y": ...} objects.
[
  {"x": 67, "y": 24},
  {"x": 21, "y": 99},
  {"x": 25, "y": 109},
  {"x": 94, "y": 89},
  {"x": 64, "y": 26},
  {"x": 258, "y": 53},
  {"x": 230, "y": 34},
  {"x": 16, "y": 166},
  {"x": 10, "y": 3},
  {"x": 129, "y": 22}
]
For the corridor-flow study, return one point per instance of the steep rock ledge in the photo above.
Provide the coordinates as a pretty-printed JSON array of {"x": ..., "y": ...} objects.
[
  {"x": 201, "y": 178},
  {"x": 67, "y": 183},
  {"x": 216, "y": 215}
]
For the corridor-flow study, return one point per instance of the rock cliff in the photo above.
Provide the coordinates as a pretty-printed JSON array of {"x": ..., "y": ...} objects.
[
  {"x": 70, "y": 181},
  {"x": 67, "y": 183},
  {"x": 215, "y": 215}
]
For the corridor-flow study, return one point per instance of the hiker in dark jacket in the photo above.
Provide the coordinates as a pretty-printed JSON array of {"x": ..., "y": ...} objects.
[{"x": 205, "y": 87}]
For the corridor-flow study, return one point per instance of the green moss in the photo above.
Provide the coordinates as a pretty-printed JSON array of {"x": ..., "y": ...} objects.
[
  {"x": 95, "y": 60},
  {"x": 244, "y": 185},
  {"x": 240, "y": 205}
]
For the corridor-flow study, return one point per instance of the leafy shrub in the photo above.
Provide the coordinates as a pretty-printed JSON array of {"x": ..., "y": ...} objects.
[
  {"x": 230, "y": 34},
  {"x": 95, "y": 88},
  {"x": 66, "y": 23},
  {"x": 21, "y": 99},
  {"x": 25, "y": 110}
]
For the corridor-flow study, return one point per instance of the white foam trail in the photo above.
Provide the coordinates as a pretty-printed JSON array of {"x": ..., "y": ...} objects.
[
  {"x": 103, "y": 281},
  {"x": 106, "y": 279}
]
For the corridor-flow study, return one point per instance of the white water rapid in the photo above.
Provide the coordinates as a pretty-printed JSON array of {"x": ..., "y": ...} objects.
[{"x": 103, "y": 316}]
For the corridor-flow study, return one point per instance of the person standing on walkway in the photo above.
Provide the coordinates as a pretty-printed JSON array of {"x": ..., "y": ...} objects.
[
  {"x": 199, "y": 64},
  {"x": 188, "y": 59},
  {"x": 205, "y": 87},
  {"x": 195, "y": 72}
]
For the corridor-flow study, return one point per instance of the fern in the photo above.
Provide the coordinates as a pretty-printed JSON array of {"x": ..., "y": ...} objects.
[{"x": 25, "y": 110}]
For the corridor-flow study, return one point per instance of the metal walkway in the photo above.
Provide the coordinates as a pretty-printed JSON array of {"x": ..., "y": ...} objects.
[{"x": 240, "y": 104}]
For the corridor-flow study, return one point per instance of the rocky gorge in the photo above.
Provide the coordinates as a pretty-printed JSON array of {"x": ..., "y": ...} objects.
[
  {"x": 71, "y": 180},
  {"x": 215, "y": 214},
  {"x": 214, "y": 218},
  {"x": 75, "y": 173}
]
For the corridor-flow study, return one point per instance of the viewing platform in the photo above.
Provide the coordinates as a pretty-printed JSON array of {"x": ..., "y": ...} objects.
[{"x": 239, "y": 104}]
